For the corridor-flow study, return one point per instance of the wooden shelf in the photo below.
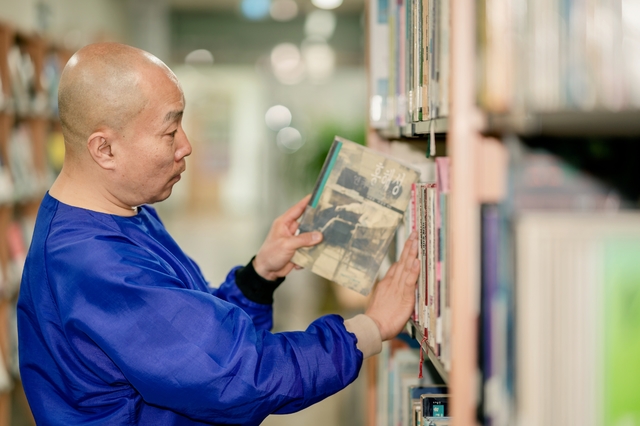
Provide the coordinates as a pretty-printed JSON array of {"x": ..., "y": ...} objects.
[
  {"x": 565, "y": 123},
  {"x": 440, "y": 125},
  {"x": 418, "y": 129},
  {"x": 439, "y": 366}
]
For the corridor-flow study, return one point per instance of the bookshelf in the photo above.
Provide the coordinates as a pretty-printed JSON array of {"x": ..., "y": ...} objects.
[
  {"x": 514, "y": 71},
  {"x": 29, "y": 69},
  {"x": 564, "y": 123},
  {"x": 416, "y": 333},
  {"x": 459, "y": 124},
  {"x": 420, "y": 129}
]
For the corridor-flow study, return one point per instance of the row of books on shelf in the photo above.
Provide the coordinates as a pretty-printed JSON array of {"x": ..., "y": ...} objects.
[
  {"x": 560, "y": 278},
  {"x": 31, "y": 92},
  {"x": 559, "y": 330},
  {"x": 408, "y": 61},
  {"x": 20, "y": 179},
  {"x": 427, "y": 215},
  {"x": 554, "y": 55},
  {"x": 17, "y": 234},
  {"x": 403, "y": 399}
]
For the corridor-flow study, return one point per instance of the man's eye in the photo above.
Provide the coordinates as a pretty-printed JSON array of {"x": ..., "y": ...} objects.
[{"x": 173, "y": 134}]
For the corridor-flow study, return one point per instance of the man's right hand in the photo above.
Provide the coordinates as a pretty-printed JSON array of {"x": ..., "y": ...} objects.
[
  {"x": 273, "y": 260},
  {"x": 393, "y": 298}
]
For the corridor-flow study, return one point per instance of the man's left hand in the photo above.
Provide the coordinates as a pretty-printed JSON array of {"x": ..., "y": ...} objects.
[{"x": 273, "y": 260}]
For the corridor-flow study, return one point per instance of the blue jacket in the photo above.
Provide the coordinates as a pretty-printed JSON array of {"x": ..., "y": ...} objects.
[{"x": 117, "y": 326}]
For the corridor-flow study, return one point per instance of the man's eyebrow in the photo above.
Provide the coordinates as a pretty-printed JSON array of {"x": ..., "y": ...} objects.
[{"x": 172, "y": 116}]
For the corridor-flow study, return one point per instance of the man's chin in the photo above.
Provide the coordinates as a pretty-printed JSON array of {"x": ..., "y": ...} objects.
[{"x": 161, "y": 197}]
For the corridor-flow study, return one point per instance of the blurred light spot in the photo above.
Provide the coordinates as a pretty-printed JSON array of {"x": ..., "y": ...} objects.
[
  {"x": 278, "y": 117},
  {"x": 199, "y": 57},
  {"x": 319, "y": 59},
  {"x": 255, "y": 9},
  {"x": 283, "y": 10},
  {"x": 326, "y": 4},
  {"x": 287, "y": 64},
  {"x": 321, "y": 23},
  {"x": 289, "y": 140},
  {"x": 376, "y": 108}
]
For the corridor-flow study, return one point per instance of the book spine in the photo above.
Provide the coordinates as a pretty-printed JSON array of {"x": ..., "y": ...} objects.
[
  {"x": 325, "y": 172},
  {"x": 411, "y": 211},
  {"x": 379, "y": 63},
  {"x": 431, "y": 264},
  {"x": 426, "y": 49},
  {"x": 422, "y": 255}
]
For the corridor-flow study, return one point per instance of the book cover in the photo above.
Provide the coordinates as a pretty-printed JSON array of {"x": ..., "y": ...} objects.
[
  {"x": 621, "y": 322},
  {"x": 577, "y": 321},
  {"x": 379, "y": 64},
  {"x": 358, "y": 202},
  {"x": 422, "y": 255},
  {"x": 435, "y": 405}
]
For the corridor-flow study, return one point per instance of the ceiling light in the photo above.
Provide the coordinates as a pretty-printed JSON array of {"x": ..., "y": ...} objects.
[
  {"x": 283, "y": 10},
  {"x": 199, "y": 57},
  {"x": 255, "y": 9},
  {"x": 326, "y": 4},
  {"x": 278, "y": 117}
]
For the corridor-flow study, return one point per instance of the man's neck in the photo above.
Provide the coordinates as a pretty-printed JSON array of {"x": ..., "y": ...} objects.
[{"x": 84, "y": 194}]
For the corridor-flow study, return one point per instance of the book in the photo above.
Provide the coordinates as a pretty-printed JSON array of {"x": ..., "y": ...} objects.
[
  {"x": 427, "y": 215},
  {"x": 551, "y": 58},
  {"x": 416, "y": 409},
  {"x": 378, "y": 33},
  {"x": 435, "y": 405},
  {"x": 577, "y": 322},
  {"x": 358, "y": 202},
  {"x": 405, "y": 386},
  {"x": 416, "y": 395}
]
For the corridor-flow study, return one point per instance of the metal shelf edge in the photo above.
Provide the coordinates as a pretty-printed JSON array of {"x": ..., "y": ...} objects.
[
  {"x": 416, "y": 129},
  {"x": 566, "y": 123},
  {"x": 437, "y": 363}
]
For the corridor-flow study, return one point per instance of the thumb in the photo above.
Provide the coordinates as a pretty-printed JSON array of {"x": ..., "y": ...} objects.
[{"x": 307, "y": 239}]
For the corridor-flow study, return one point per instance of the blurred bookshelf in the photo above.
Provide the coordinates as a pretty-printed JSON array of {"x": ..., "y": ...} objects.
[
  {"x": 538, "y": 107},
  {"x": 417, "y": 333},
  {"x": 565, "y": 123},
  {"x": 30, "y": 67},
  {"x": 418, "y": 129}
]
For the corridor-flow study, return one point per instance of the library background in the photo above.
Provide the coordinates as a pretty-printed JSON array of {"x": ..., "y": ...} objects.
[{"x": 522, "y": 117}]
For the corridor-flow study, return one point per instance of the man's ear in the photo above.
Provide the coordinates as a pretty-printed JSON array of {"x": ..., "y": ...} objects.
[{"x": 99, "y": 146}]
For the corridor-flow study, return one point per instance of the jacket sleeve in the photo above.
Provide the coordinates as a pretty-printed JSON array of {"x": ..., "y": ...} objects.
[
  {"x": 188, "y": 350},
  {"x": 246, "y": 289}
]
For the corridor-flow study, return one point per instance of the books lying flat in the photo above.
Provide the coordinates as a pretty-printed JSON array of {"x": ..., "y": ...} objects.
[{"x": 359, "y": 199}]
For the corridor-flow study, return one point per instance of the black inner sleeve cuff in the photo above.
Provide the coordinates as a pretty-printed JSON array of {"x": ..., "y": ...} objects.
[{"x": 254, "y": 287}]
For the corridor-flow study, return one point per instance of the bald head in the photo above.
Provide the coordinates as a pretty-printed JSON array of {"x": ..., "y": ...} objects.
[{"x": 104, "y": 85}]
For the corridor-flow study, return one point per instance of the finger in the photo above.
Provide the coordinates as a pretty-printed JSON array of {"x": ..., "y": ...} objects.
[
  {"x": 413, "y": 238},
  {"x": 413, "y": 271},
  {"x": 306, "y": 239},
  {"x": 410, "y": 273},
  {"x": 293, "y": 227},
  {"x": 296, "y": 210},
  {"x": 410, "y": 254},
  {"x": 410, "y": 245},
  {"x": 285, "y": 271},
  {"x": 411, "y": 278},
  {"x": 392, "y": 270}
]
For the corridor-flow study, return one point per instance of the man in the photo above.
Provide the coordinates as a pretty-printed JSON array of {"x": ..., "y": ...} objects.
[{"x": 118, "y": 326}]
